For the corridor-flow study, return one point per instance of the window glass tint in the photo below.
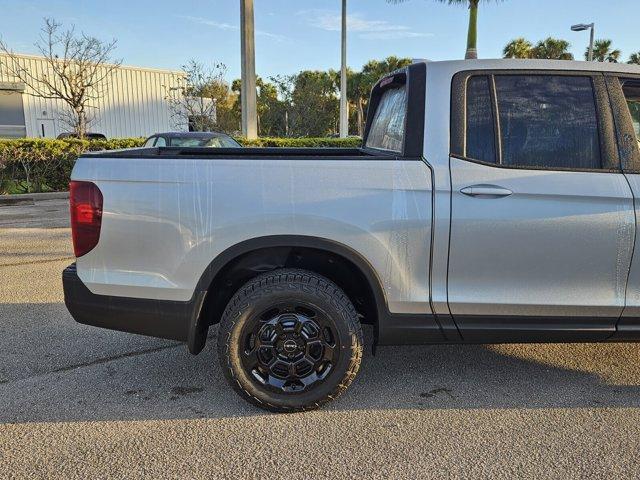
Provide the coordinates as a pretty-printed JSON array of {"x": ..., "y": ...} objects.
[
  {"x": 387, "y": 127},
  {"x": 161, "y": 142},
  {"x": 480, "y": 143},
  {"x": 149, "y": 142},
  {"x": 222, "y": 142},
  {"x": 548, "y": 121},
  {"x": 187, "y": 142},
  {"x": 631, "y": 89}
]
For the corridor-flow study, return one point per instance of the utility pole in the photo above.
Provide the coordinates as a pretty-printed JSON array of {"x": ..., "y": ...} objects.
[
  {"x": 586, "y": 26},
  {"x": 593, "y": 28},
  {"x": 344, "y": 105},
  {"x": 248, "y": 71}
]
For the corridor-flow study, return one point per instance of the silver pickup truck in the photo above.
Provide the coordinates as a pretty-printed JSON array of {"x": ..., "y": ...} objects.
[{"x": 491, "y": 201}]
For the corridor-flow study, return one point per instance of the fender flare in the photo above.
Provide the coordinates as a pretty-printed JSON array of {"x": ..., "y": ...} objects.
[{"x": 198, "y": 329}]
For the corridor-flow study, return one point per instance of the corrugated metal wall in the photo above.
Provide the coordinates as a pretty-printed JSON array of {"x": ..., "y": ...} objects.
[{"x": 134, "y": 104}]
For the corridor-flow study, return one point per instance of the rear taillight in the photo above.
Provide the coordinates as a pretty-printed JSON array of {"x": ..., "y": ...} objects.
[{"x": 85, "y": 201}]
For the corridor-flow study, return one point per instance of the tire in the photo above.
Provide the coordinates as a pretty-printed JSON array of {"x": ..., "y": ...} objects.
[{"x": 290, "y": 340}]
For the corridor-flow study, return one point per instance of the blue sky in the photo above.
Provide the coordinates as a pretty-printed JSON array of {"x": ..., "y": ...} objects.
[{"x": 292, "y": 35}]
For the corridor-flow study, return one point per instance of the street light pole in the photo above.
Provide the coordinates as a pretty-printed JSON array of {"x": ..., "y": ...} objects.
[
  {"x": 591, "y": 38},
  {"x": 248, "y": 71},
  {"x": 585, "y": 26},
  {"x": 344, "y": 106}
]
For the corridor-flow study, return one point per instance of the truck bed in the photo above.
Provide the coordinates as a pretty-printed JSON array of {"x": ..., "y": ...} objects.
[{"x": 244, "y": 153}]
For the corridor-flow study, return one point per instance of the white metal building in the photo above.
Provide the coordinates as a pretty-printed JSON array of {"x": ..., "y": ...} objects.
[{"x": 134, "y": 104}]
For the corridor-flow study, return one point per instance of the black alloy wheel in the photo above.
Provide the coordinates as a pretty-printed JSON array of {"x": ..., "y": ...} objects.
[{"x": 290, "y": 340}]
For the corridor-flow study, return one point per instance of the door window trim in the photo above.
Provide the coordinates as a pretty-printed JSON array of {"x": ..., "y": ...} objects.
[
  {"x": 629, "y": 159},
  {"x": 605, "y": 121}
]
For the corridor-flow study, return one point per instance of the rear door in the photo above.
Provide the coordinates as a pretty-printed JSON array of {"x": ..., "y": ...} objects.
[
  {"x": 543, "y": 224},
  {"x": 624, "y": 92}
]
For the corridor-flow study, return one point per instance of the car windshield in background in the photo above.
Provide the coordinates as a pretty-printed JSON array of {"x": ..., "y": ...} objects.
[
  {"x": 387, "y": 128},
  {"x": 215, "y": 142}
]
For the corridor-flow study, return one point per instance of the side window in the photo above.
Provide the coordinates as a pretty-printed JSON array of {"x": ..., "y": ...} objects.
[
  {"x": 387, "y": 127},
  {"x": 480, "y": 124},
  {"x": 149, "y": 142},
  {"x": 161, "y": 142},
  {"x": 548, "y": 121},
  {"x": 631, "y": 89}
]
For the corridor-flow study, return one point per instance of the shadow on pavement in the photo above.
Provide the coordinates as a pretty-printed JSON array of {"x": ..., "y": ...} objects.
[{"x": 126, "y": 377}]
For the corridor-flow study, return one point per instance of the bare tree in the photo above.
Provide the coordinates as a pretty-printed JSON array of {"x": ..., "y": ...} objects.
[
  {"x": 77, "y": 73},
  {"x": 203, "y": 90}
]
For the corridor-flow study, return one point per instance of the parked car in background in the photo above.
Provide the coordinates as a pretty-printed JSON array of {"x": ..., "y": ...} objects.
[
  {"x": 191, "y": 139},
  {"x": 492, "y": 201},
  {"x": 87, "y": 136}
]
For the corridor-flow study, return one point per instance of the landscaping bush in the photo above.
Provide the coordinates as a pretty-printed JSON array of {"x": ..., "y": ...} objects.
[
  {"x": 44, "y": 165},
  {"x": 351, "y": 142}
]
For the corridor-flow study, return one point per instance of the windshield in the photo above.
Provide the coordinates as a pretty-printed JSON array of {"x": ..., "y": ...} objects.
[
  {"x": 387, "y": 127},
  {"x": 215, "y": 142},
  {"x": 222, "y": 142}
]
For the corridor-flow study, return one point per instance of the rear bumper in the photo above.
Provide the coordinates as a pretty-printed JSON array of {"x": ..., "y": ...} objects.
[{"x": 156, "y": 318}]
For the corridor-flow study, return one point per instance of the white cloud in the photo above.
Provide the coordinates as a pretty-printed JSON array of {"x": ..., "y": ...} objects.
[
  {"x": 228, "y": 26},
  {"x": 363, "y": 27},
  {"x": 210, "y": 23}
]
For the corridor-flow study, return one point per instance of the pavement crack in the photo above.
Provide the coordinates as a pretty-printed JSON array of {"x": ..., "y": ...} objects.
[
  {"x": 33, "y": 262},
  {"x": 98, "y": 361}
]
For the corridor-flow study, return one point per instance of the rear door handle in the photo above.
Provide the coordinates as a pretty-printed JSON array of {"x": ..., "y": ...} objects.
[{"x": 488, "y": 191}]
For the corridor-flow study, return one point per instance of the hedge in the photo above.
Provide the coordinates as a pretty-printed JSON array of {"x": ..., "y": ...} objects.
[
  {"x": 353, "y": 142},
  {"x": 43, "y": 165}
]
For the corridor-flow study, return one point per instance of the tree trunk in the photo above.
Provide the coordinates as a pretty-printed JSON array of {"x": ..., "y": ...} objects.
[
  {"x": 81, "y": 123},
  {"x": 472, "y": 34},
  {"x": 360, "y": 117}
]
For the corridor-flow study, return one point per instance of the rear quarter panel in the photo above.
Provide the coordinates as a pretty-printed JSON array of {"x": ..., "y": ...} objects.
[{"x": 166, "y": 219}]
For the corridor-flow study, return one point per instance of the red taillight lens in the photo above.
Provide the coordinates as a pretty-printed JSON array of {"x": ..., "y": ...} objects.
[{"x": 85, "y": 201}]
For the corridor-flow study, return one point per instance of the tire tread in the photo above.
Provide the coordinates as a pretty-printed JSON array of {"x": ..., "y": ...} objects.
[{"x": 262, "y": 285}]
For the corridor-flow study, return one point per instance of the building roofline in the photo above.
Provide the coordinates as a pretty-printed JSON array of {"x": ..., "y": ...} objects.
[{"x": 124, "y": 67}]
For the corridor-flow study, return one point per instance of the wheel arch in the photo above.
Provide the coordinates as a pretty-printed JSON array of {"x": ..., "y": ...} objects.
[{"x": 239, "y": 263}]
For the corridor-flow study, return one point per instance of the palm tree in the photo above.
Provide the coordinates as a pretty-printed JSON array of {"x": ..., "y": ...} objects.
[
  {"x": 472, "y": 34},
  {"x": 634, "y": 59},
  {"x": 518, "y": 48},
  {"x": 602, "y": 52},
  {"x": 552, "y": 49}
]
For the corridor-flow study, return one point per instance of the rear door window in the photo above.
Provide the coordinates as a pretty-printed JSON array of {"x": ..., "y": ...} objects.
[
  {"x": 388, "y": 125},
  {"x": 529, "y": 120},
  {"x": 548, "y": 121}
]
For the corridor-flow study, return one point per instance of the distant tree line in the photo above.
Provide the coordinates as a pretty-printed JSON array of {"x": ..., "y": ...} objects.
[
  {"x": 558, "y": 49},
  {"x": 305, "y": 104}
]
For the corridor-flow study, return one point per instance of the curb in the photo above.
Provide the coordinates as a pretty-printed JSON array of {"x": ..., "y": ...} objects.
[{"x": 30, "y": 198}]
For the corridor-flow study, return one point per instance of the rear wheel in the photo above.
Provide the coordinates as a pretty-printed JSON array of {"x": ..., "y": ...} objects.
[{"x": 290, "y": 340}]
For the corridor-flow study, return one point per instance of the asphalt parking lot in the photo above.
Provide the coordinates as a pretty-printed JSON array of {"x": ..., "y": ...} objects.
[{"x": 80, "y": 402}]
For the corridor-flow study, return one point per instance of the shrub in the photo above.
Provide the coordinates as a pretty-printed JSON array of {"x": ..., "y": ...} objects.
[
  {"x": 351, "y": 142},
  {"x": 44, "y": 165}
]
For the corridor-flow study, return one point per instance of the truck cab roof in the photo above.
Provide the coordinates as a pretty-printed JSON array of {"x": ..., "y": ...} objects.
[{"x": 530, "y": 64}]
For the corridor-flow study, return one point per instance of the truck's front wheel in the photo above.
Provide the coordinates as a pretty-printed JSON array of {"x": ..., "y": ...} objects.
[{"x": 290, "y": 340}]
